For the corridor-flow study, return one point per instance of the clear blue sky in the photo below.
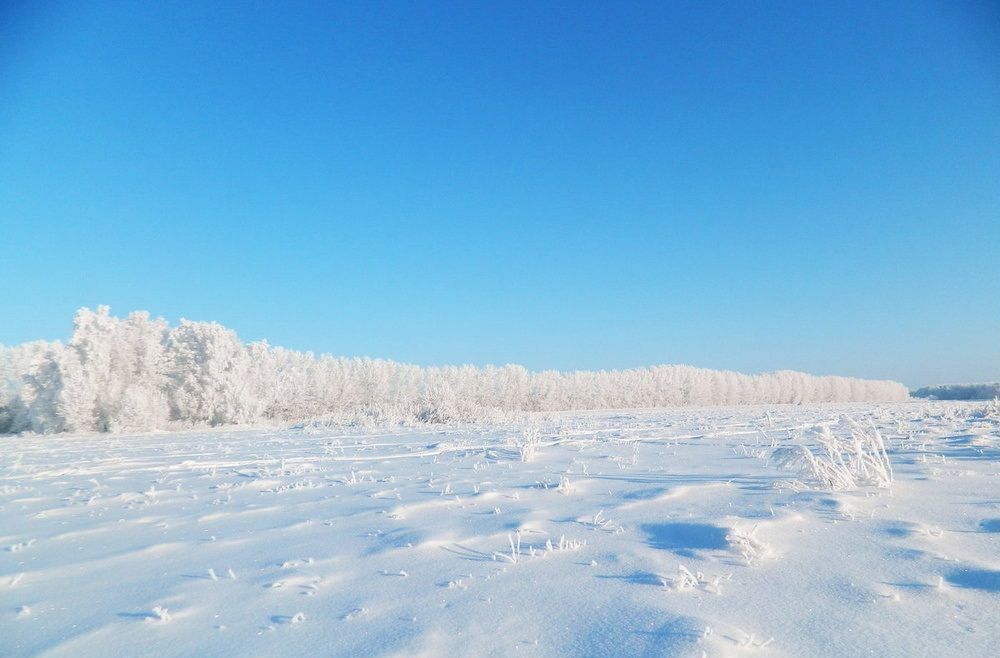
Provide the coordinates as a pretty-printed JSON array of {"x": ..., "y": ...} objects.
[{"x": 742, "y": 185}]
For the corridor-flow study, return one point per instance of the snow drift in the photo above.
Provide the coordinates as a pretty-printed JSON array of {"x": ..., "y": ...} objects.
[{"x": 139, "y": 374}]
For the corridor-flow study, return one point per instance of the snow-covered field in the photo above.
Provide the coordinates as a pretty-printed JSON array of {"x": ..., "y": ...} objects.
[{"x": 615, "y": 533}]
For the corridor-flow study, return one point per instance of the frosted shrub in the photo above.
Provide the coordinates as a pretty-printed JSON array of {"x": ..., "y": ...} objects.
[
  {"x": 694, "y": 580},
  {"x": 844, "y": 462},
  {"x": 746, "y": 542},
  {"x": 159, "y": 613},
  {"x": 527, "y": 444},
  {"x": 990, "y": 410}
]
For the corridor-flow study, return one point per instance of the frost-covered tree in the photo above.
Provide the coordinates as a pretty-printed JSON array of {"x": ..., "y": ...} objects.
[
  {"x": 17, "y": 364},
  {"x": 108, "y": 377},
  {"x": 959, "y": 392},
  {"x": 137, "y": 373},
  {"x": 213, "y": 378}
]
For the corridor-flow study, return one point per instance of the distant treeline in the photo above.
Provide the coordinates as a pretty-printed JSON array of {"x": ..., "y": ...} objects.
[
  {"x": 959, "y": 392},
  {"x": 137, "y": 374}
]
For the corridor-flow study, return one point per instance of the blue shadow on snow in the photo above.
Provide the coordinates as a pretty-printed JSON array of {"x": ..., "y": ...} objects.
[
  {"x": 990, "y": 525},
  {"x": 685, "y": 538},
  {"x": 986, "y": 580}
]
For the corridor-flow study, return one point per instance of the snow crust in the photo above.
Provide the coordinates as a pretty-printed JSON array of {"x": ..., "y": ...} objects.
[{"x": 598, "y": 534}]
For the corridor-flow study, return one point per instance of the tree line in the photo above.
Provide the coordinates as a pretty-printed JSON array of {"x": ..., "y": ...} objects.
[{"x": 139, "y": 374}]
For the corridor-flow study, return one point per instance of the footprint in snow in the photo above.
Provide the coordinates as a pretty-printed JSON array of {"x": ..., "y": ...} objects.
[
  {"x": 157, "y": 614},
  {"x": 297, "y": 618},
  {"x": 20, "y": 546}
]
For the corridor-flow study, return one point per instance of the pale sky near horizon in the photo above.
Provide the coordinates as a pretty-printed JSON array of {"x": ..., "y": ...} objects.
[{"x": 745, "y": 186}]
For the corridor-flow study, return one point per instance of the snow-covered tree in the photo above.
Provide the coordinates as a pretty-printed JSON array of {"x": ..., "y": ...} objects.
[{"x": 137, "y": 374}]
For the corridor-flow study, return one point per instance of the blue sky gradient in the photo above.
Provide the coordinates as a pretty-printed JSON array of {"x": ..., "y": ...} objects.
[{"x": 749, "y": 186}]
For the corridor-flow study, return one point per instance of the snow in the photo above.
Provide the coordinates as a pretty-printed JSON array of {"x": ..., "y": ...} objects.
[{"x": 598, "y": 533}]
